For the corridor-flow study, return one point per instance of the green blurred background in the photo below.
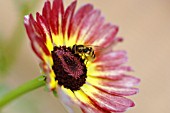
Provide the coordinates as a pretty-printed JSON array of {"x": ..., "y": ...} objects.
[{"x": 145, "y": 25}]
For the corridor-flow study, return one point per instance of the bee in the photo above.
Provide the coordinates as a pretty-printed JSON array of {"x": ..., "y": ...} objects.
[{"x": 86, "y": 52}]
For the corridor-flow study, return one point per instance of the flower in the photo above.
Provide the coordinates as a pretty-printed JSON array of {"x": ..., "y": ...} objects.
[{"x": 77, "y": 56}]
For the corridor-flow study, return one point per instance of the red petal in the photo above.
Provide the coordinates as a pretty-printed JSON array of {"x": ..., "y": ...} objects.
[
  {"x": 47, "y": 11},
  {"x": 110, "y": 38},
  {"x": 79, "y": 98},
  {"x": 79, "y": 17},
  {"x": 88, "y": 26},
  {"x": 35, "y": 49},
  {"x": 43, "y": 25},
  {"x": 112, "y": 61},
  {"x": 125, "y": 81},
  {"x": 39, "y": 47},
  {"x": 68, "y": 18},
  {"x": 86, "y": 104},
  {"x": 113, "y": 55},
  {"x": 37, "y": 29},
  {"x": 104, "y": 36},
  {"x": 56, "y": 16},
  {"x": 109, "y": 47},
  {"x": 28, "y": 27},
  {"x": 104, "y": 85},
  {"x": 36, "y": 37},
  {"x": 58, "y": 5},
  {"x": 86, "y": 108},
  {"x": 108, "y": 102},
  {"x": 117, "y": 90},
  {"x": 112, "y": 103},
  {"x": 82, "y": 12},
  {"x": 112, "y": 65}
]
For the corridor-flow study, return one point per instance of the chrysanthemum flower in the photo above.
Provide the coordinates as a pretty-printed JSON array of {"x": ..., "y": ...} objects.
[{"x": 77, "y": 56}]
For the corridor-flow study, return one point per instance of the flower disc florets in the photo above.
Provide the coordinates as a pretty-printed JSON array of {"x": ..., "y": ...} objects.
[{"x": 69, "y": 68}]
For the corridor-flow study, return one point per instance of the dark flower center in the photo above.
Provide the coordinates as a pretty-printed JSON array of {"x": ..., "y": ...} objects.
[{"x": 69, "y": 68}]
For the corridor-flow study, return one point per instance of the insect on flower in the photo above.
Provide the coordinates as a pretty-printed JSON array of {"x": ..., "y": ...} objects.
[
  {"x": 96, "y": 81},
  {"x": 87, "y": 52}
]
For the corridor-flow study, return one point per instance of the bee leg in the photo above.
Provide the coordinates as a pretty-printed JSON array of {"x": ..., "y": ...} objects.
[{"x": 86, "y": 59}]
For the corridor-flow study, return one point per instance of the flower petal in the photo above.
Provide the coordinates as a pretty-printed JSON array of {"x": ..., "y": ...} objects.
[
  {"x": 104, "y": 37},
  {"x": 82, "y": 100},
  {"x": 47, "y": 11},
  {"x": 113, "y": 89},
  {"x": 109, "y": 65},
  {"x": 89, "y": 25},
  {"x": 36, "y": 37},
  {"x": 79, "y": 16},
  {"x": 90, "y": 29},
  {"x": 113, "y": 55},
  {"x": 56, "y": 16},
  {"x": 106, "y": 101},
  {"x": 106, "y": 81},
  {"x": 76, "y": 23},
  {"x": 67, "y": 19},
  {"x": 65, "y": 99},
  {"x": 52, "y": 83},
  {"x": 45, "y": 28},
  {"x": 86, "y": 104},
  {"x": 120, "y": 81},
  {"x": 124, "y": 81},
  {"x": 110, "y": 60},
  {"x": 111, "y": 74},
  {"x": 109, "y": 47}
]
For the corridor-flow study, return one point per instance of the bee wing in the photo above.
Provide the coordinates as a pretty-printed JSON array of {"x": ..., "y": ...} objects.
[{"x": 95, "y": 47}]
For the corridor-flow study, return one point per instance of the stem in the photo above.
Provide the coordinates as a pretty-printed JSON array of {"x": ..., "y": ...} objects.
[{"x": 23, "y": 89}]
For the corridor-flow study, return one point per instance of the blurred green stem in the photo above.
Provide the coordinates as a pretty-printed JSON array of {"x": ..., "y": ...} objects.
[{"x": 21, "y": 90}]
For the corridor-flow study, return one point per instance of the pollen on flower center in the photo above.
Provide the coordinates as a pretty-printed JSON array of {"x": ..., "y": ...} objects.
[{"x": 69, "y": 68}]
